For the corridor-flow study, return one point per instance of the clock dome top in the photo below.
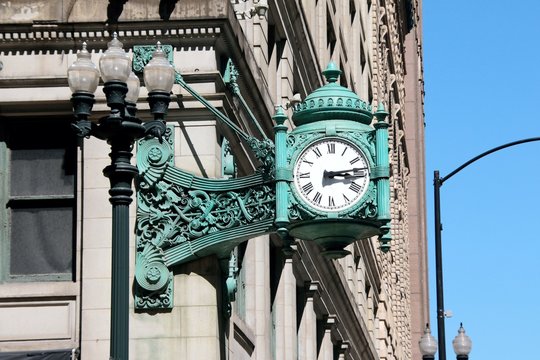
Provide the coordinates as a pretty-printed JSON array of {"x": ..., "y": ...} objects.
[{"x": 332, "y": 102}]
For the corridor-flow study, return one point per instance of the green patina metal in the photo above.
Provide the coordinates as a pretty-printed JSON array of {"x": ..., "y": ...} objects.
[
  {"x": 331, "y": 102},
  {"x": 262, "y": 149},
  {"x": 231, "y": 283},
  {"x": 382, "y": 177},
  {"x": 182, "y": 217},
  {"x": 230, "y": 78},
  {"x": 335, "y": 111},
  {"x": 228, "y": 164}
]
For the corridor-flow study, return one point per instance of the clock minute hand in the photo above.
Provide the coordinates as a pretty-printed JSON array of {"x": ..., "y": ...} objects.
[{"x": 356, "y": 172}]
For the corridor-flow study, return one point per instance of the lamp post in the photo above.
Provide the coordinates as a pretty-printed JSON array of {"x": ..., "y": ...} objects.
[
  {"x": 438, "y": 181},
  {"x": 120, "y": 128},
  {"x": 462, "y": 344}
]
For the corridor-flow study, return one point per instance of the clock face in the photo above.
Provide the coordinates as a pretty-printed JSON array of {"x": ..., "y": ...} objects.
[{"x": 331, "y": 175}]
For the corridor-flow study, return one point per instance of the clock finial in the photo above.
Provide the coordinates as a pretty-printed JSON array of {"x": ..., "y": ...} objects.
[
  {"x": 331, "y": 73},
  {"x": 279, "y": 116}
]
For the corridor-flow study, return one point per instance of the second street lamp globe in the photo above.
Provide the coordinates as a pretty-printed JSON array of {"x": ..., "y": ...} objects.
[
  {"x": 83, "y": 75},
  {"x": 115, "y": 64},
  {"x": 427, "y": 344},
  {"x": 462, "y": 344},
  {"x": 159, "y": 73},
  {"x": 134, "y": 87}
]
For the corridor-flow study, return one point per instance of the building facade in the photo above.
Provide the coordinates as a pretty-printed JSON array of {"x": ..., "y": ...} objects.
[{"x": 290, "y": 301}]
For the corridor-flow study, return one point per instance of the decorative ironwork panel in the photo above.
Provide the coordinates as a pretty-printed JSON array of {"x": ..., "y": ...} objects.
[{"x": 182, "y": 217}]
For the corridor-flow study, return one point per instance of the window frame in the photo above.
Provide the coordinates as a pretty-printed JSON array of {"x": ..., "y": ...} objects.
[{"x": 34, "y": 201}]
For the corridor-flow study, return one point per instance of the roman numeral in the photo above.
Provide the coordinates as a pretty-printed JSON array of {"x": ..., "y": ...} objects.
[
  {"x": 303, "y": 176},
  {"x": 346, "y": 198},
  {"x": 331, "y": 148},
  {"x": 307, "y": 162},
  {"x": 355, "y": 187},
  {"x": 317, "y": 198},
  {"x": 317, "y": 152},
  {"x": 355, "y": 160},
  {"x": 307, "y": 188},
  {"x": 343, "y": 153},
  {"x": 331, "y": 201}
]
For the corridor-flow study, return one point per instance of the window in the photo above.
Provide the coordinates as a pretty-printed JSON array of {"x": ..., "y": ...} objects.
[{"x": 38, "y": 175}]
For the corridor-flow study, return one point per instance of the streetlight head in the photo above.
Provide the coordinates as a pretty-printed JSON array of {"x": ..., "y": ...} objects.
[
  {"x": 134, "y": 86},
  {"x": 462, "y": 343},
  {"x": 83, "y": 75},
  {"x": 427, "y": 343},
  {"x": 115, "y": 64},
  {"x": 159, "y": 73}
]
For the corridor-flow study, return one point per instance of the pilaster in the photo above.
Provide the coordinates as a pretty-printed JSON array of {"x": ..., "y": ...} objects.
[
  {"x": 307, "y": 332},
  {"x": 285, "y": 312},
  {"x": 327, "y": 346}
]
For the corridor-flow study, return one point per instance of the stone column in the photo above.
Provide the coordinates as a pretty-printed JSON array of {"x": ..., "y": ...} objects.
[
  {"x": 307, "y": 332},
  {"x": 197, "y": 296},
  {"x": 257, "y": 297},
  {"x": 285, "y": 312},
  {"x": 327, "y": 346}
]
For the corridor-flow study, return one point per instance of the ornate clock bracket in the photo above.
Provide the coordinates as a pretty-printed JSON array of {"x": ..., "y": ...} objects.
[{"x": 182, "y": 217}]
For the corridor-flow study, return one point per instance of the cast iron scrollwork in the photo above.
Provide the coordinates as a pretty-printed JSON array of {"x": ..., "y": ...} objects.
[{"x": 181, "y": 217}]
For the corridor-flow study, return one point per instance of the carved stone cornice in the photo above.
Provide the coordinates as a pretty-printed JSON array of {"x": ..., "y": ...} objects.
[{"x": 68, "y": 36}]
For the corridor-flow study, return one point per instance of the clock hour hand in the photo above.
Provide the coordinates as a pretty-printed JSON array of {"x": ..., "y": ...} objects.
[{"x": 356, "y": 172}]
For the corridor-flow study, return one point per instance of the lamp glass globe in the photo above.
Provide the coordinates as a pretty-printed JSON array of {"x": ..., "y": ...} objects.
[
  {"x": 427, "y": 343},
  {"x": 159, "y": 73},
  {"x": 462, "y": 343},
  {"x": 83, "y": 75},
  {"x": 115, "y": 64}
]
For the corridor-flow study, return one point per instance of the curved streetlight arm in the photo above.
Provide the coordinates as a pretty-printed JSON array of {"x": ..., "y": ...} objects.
[
  {"x": 438, "y": 181},
  {"x": 486, "y": 153}
]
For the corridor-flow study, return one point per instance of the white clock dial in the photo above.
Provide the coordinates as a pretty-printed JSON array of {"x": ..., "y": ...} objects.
[{"x": 331, "y": 174}]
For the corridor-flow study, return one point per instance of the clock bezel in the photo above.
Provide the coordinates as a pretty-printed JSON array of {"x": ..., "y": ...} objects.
[{"x": 305, "y": 202}]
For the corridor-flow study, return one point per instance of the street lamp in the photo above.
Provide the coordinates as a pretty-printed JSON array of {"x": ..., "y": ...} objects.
[
  {"x": 120, "y": 128},
  {"x": 462, "y": 344},
  {"x": 428, "y": 345},
  {"x": 438, "y": 182}
]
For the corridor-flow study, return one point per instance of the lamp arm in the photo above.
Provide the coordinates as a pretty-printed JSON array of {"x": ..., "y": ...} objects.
[
  {"x": 486, "y": 153},
  {"x": 180, "y": 80},
  {"x": 230, "y": 78}
]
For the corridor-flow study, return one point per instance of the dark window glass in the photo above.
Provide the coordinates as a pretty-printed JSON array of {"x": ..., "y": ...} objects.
[
  {"x": 40, "y": 198},
  {"x": 40, "y": 172},
  {"x": 41, "y": 241}
]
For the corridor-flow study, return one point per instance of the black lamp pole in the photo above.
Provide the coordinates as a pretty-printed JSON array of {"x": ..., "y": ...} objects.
[
  {"x": 123, "y": 131},
  {"x": 120, "y": 128},
  {"x": 438, "y": 181}
]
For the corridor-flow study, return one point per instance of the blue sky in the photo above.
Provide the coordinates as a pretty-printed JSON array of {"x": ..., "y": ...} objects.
[{"x": 482, "y": 82}]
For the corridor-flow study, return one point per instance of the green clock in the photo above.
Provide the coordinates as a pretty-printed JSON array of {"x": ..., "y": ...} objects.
[{"x": 331, "y": 174}]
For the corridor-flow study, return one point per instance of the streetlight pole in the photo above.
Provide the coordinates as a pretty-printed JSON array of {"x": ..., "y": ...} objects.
[
  {"x": 120, "y": 128},
  {"x": 438, "y": 182}
]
